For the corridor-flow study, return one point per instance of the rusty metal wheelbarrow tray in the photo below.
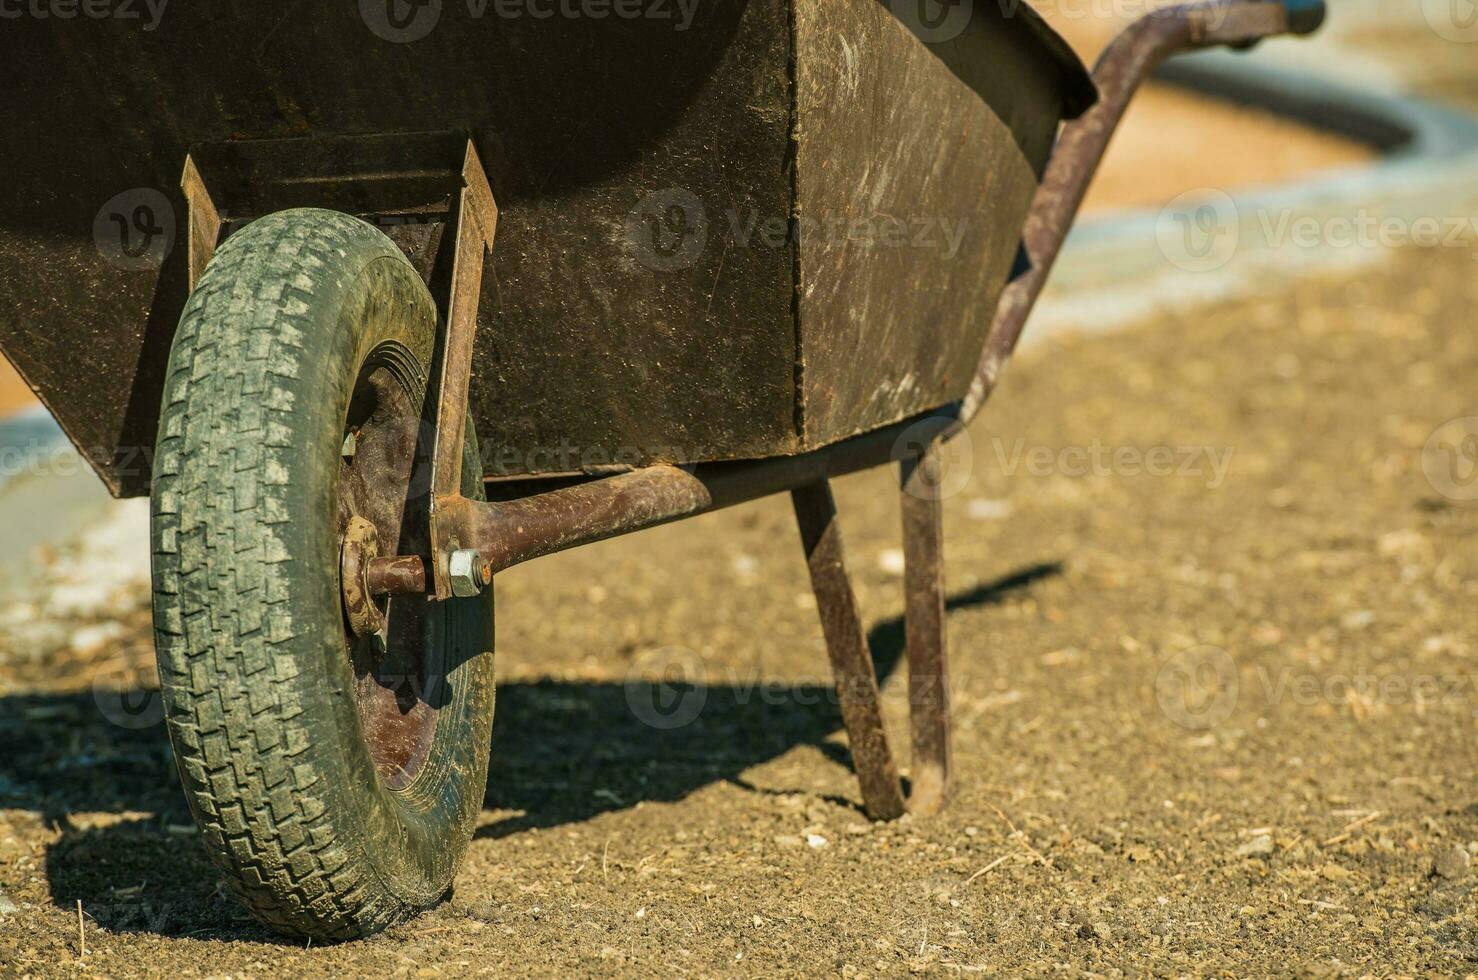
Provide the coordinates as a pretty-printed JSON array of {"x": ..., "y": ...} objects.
[{"x": 751, "y": 237}]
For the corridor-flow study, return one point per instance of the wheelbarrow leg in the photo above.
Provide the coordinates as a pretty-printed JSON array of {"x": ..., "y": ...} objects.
[
  {"x": 928, "y": 665},
  {"x": 846, "y": 644}
]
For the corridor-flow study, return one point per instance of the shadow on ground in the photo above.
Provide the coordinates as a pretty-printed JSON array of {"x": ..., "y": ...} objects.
[{"x": 562, "y": 753}]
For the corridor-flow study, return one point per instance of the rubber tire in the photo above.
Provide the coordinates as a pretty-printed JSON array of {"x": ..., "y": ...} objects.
[{"x": 247, "y": 612}]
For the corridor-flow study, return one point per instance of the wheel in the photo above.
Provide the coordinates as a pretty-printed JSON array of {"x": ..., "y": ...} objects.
[{"x": 335, "y": 769}]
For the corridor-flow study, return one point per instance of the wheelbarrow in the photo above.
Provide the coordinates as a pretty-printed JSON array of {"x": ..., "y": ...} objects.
[{"x": 453, "y": 297}]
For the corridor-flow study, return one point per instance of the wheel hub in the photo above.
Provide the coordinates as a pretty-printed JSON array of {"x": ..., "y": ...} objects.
[{"x": 392, "y": 642}]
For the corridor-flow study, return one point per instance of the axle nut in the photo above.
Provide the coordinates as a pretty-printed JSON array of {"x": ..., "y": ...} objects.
[{"x": 468, "y": 573}]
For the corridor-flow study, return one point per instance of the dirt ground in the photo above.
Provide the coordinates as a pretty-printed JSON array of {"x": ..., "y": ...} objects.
[
  {"x": 1215, "y": 720},
  {"x": 14, "y": 394},
  {"x": 1219, "y": 145},
  {"x": 1213, "y": 143}
]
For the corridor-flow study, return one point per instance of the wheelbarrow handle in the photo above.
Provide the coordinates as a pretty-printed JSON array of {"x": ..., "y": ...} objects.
[
  {"x": 1304, "y": 16},
  {"x": 1124, "y": 65}
]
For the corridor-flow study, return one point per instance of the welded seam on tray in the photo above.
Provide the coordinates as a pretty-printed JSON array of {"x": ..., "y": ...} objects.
[{"x": 797, "y": 372}]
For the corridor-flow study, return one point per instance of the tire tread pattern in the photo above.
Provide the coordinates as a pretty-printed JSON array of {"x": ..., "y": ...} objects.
[{"x": 223, "y": 584}]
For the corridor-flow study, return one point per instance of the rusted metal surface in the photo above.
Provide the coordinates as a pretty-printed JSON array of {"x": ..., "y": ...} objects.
[
  {"x": 1121, "y": 69},
  {"x": 577, "y": 119},
  {"x": 393, "y": 180},
  {"x": 846, "y": 644},
  {"x": 395, "y": 575},
  {"x": 924, "y": 625},
  {"x": 359, "y": 550},
  {"x": 622, "y": 325},
  {"x": 753, "y": 306},
  {"x": 507, "y": 533},
  {"x": 512, "y": 531},
  {"x": 469, "y": 572},
  {"x": 377, "y": 178},
  {"x": 371, "y": 174},
  {"x": 406, "y": 183},
  {"x": 476, "y": 226},
  {"x": 399, "y": 679},
  {"x": 204, "y": 229},
  {"x": 907, "y": 233}
]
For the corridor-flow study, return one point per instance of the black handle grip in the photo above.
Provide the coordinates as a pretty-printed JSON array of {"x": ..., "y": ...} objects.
[{"x": 1304, "y": 16}]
